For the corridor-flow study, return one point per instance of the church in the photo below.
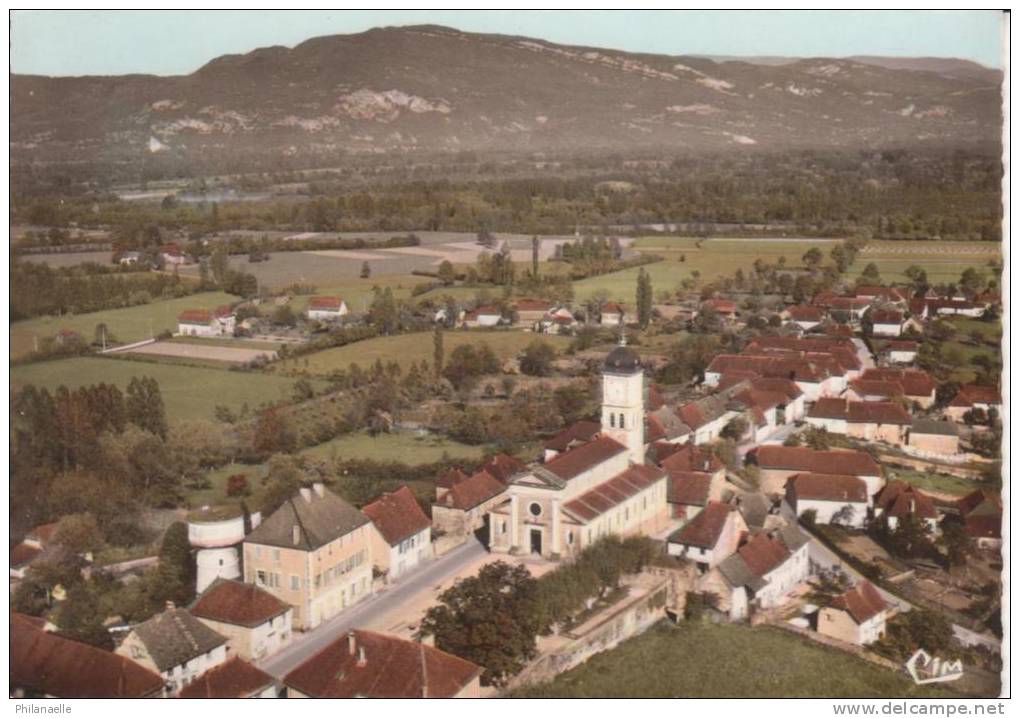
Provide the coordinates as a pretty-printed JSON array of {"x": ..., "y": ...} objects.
[{"x": 558, "y": 508}]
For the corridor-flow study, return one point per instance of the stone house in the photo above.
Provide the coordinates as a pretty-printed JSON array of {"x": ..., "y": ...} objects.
[
  {"x": 779, "y": 463},
  {"x": 234, "y": 679},
  {"x": 934, "y": 437},
  {"x": 255, "y": 622},
  {"x": 973, "y": 396},
  {"x": 981, "y": 512},
  {"x": 868, "y": 420},
  {"x": 709, "y": 537},
  {"x": 402, "y": 538},
  {"x": 834, "y": 499},
  {"x": 857, "y": 616},
  {"x": 464, "y": 507}
]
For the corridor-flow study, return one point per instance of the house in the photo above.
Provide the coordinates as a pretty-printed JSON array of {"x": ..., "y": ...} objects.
[
  {"x": 484, "y": 316},
  {"x": 981, "y": 512},
  {"x": 129, "y": 259},
  {"x": 448, "y": 480},
  {"x": 47, "y": 665},
  {"x": 710, "y": 536},
  {"x": 850, "y": 308},
  {"x": 782, "y": 395},
  {"x": 815, "y": 376},
  {"x": 464, "y": 507},
  {"x": 442, "y": 316},
  {"x": 934, "y": 437},
  {"x": 901, "y": 351},
  {"x": 663, "y": 425},
  {"x": 502, "y": 466},
  {"x": 726, "y": 308},
  {"x": 762, "y": 572},
  {"x": 613, "y": 315},
  {"x": 899, "y": 499},
  {"x": 778, "y": 463},
  {"x": 888, "y": 295},
  {"x": 954, "y": 307},
  {"x": 557, "y": 321},
  {"x": 30, "y": 548},
  {"x": 366, "y": 664},
  {"x": 886, "y": 322},
  {"x": 314, "y": 553},
  {"x": 176, "y": 645},
  {"x": 917, "y": 385},
  {"x": 234, "y": 679},
  {"x": 856, "y": 616},
  {"x": 834, "y": 498},
  {"x": 708, "y": 416},
  {"x": 206, "y": 323},
  {"x": 870, "y": 420},
  {"x": 172, "y": 255},
  {"x": 696, "y": 477},
  {"x": 578, "y": 433},
  {"x": 874, "y": 390},
  {"x": 326, "y": 308},
  {"x": 805, "y": 316},
  {"x": 596, "y": 489},
  {"x": 531, "y": 311},
  {"x": 971, "y": 397},
  {"x": 402, "y": 538},
  {"x": 255, "y": 622}
]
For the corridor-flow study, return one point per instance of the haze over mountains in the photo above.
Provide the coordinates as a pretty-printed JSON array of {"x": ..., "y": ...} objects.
[{"x": 427, "y": 88}]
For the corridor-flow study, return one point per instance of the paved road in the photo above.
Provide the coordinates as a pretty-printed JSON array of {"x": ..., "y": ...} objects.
[
  {"x": 867, "y": 360},
  {"x": 306, "y": 644}
]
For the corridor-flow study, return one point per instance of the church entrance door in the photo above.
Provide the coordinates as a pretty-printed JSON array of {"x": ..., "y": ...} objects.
[{"x": 536, "y": 541}]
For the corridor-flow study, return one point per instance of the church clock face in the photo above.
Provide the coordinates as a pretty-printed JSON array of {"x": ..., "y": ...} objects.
[{"x": 615, "y": 392}]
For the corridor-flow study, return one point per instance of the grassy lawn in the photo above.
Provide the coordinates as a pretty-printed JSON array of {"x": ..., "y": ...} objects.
[
  {"x": 990, "y": 331},
  {"x": 216, "y": 493},
  {"x": 129, "y": 324},
  {"x": 358, "y": 293},
  {"x": 405, "y": 447},
  {"x": 727, "y": 661},
  {"x": 408, "y": 348},
  {"x": 941, "y": 483},
  {"x": 188, "y": 392}
]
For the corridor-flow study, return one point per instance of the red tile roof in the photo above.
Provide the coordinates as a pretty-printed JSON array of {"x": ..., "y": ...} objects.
[
  {"x": 467, "y": 494},
  {"x": 451, "y": 477},
  {"x": 614, "y": 492},
  {"x": 803, "y": 459},
  {"x": 581, "y": 431},
  {"x": 723, "y": 306},
  {"x": 23, "y": 554},
  {"x": 691, "y": 488},
  {"x": 828, "y": 408},
  {"x": 533, "y": 305},
  {"x": 242, "y": 604},
  {"x": 982, "y": 514},
  {"x": 876, "y": 412},
  {"x": 373, "y": 665},
  {"x": 805, "y": 313},
  {"x": 194, "y": 316},
  {"x": 915, "y": 382},
  {"x": 503, "y": 466},
  {"x": 397, "y": 515},
  {"x": 688, "y": 457},
  {"x": 763, "y": 553},
  {"x": 584, "y": 458},
  {"x": 970, "y": 394},
  {"x": 234, "y": 679},
  {"x": 325, "y": 303},
  {"x": 886, "y": 316},
  {"x": 51, "y": 664},
  {"x": 862, "y": 602},
  {"x": 655, "y": 398},
  {"x": 612, "y": 308},
  {"x": 876, "y": 387},
  {"x": 827, "y": 487},
  {"x": 704, "y": 529},
  {"x": 903, "y": 345}
]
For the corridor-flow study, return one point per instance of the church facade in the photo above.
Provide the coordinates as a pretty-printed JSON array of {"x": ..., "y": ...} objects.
[{"x": 599, "y": 488}]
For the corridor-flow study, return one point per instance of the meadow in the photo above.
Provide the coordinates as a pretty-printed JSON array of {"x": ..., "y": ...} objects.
[
  {"x": 697, "y": 660},
  {"x": 129, "y": 324},
  {"x": 406, "y": 349},
  {"x": 404, "y": 446},
  {"x": 189, "y": 392}
]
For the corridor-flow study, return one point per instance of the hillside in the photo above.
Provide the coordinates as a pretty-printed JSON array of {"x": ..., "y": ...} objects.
[{"x": 437, "y": 89}]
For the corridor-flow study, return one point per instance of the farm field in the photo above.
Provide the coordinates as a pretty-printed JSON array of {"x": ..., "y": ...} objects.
[
  {"x": 404, "y": 446},
  {"x": 358, "y": 292},
  {"x": 939, "y": 483},
  {"x": 129, "y": 324},
  {"x": 406, "y": 349},
  {"x": 204, "y": 352},
  {"x": 727, "y": 661},
  {"x": 68, "y": 259},
  {"x": 188, "y": 392}
]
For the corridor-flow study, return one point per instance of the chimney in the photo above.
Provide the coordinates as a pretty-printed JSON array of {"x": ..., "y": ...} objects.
[
  {"x": 297, "y": 534},
  {"x": 306, "y": 494},
  {"x": 319, "y": 489},
  {"x": 352, "y": 642},
  {"x": 361, "y": 657}
]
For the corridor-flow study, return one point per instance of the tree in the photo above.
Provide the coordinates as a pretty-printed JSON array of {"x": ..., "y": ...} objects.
[
  {"x": 437, "y": 350},
  {"x": 81, "y": 619},
  {"x": 446, "y": 274},
  {"x": 284, "y": 316},
  {"x": 812, "y": 258},
  {"x": 366, "y": 270},
  {"x": 840, "y": 258},
  {"x": 917, "y": 276},
  {"x": 972, "y": 280},
  {"x": 535, "y": 245},
  {"x": 144, "y": 406},
  {"x": 102, "y": 334},
  {"x": 644, "y": 298},
  {"x": 870, "y": 275},
  {"x": 78, "y": 534},
  {"x": 491, "y": 619},
  {"x": 538, "y": 358},
  {"x": 955, "y": 542},
  {"x": 273, "y": 434},
  {"x": 735, "y": 429}
]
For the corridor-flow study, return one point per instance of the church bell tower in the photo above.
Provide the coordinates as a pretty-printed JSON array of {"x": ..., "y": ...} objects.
[{"x": 623, "y": 415}]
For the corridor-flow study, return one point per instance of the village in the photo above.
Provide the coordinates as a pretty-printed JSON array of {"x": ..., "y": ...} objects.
[{"x": 767, "y": 449}]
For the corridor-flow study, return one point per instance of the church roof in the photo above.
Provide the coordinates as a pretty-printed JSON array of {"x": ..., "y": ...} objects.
[
  {"x": 583, "y": 458},
  {"x": 623, "y": 359},
  {"x": 612, "y": 493}
]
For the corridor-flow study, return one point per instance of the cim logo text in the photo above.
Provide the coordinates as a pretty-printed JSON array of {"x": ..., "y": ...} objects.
[{"x": 925, "y": 668}]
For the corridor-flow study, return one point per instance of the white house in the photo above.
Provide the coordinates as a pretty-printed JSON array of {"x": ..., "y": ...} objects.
[
  {"x": 206, "y": 323},
  {"x": 402, "y": 535},
  {"x": 256, "y": 623},
  {"x": 712, "y": 535},
  {"x": 856, "y": 616},
  {"x": 902, "y": 351},
  {"x": 486, "y": 316},
  {"x": 613, "y": 315},
  {"x": 886, "y": 322},
  {"x": 834, "y": 499},
  {"x": 176, "y": 645},
  {"x": 326, "y": 308}
]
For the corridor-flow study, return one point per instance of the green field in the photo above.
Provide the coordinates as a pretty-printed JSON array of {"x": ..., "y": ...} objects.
[
  {"x": 188, "y": 392},
  {"x": 940, "y": 483},
  {"x": 727, "y": 661},
  {"x": 408, "y": 348},
  {"x": 358, "y": 292},
  {"x": 405, "y": 447},
  {"x": 129, "y": 324}
]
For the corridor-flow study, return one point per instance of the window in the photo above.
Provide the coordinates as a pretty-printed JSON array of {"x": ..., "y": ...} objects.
[
  {"x": 535, "y": 508},
  {"x": 260, "y": 577},
  {"x": 276, "y": 555},
  {"x": 621, "y": 422},
  {"x": 612, "y": 420},
  {"x": 570, "y": 537}
]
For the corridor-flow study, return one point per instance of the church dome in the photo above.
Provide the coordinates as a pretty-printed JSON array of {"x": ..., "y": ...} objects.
[{"x": 623, "y": 359}]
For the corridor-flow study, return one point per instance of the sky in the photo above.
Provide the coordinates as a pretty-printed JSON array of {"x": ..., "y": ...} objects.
[{"x": 173, "y": 42}]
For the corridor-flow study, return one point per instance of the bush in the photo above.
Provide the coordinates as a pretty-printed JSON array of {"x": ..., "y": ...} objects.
[{"x": 237, "y": 485}]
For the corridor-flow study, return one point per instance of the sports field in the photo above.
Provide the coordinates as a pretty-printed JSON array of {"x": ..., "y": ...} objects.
[
  {"x": 129, "y": 324},
  {"x": 406, "y": 349},
  {"x": 188, "y": 392}
]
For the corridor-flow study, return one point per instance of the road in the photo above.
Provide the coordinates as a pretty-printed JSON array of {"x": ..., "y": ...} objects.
[
  {"x": 371, "y": 609},
  {"x": 864, "y": 354}
]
